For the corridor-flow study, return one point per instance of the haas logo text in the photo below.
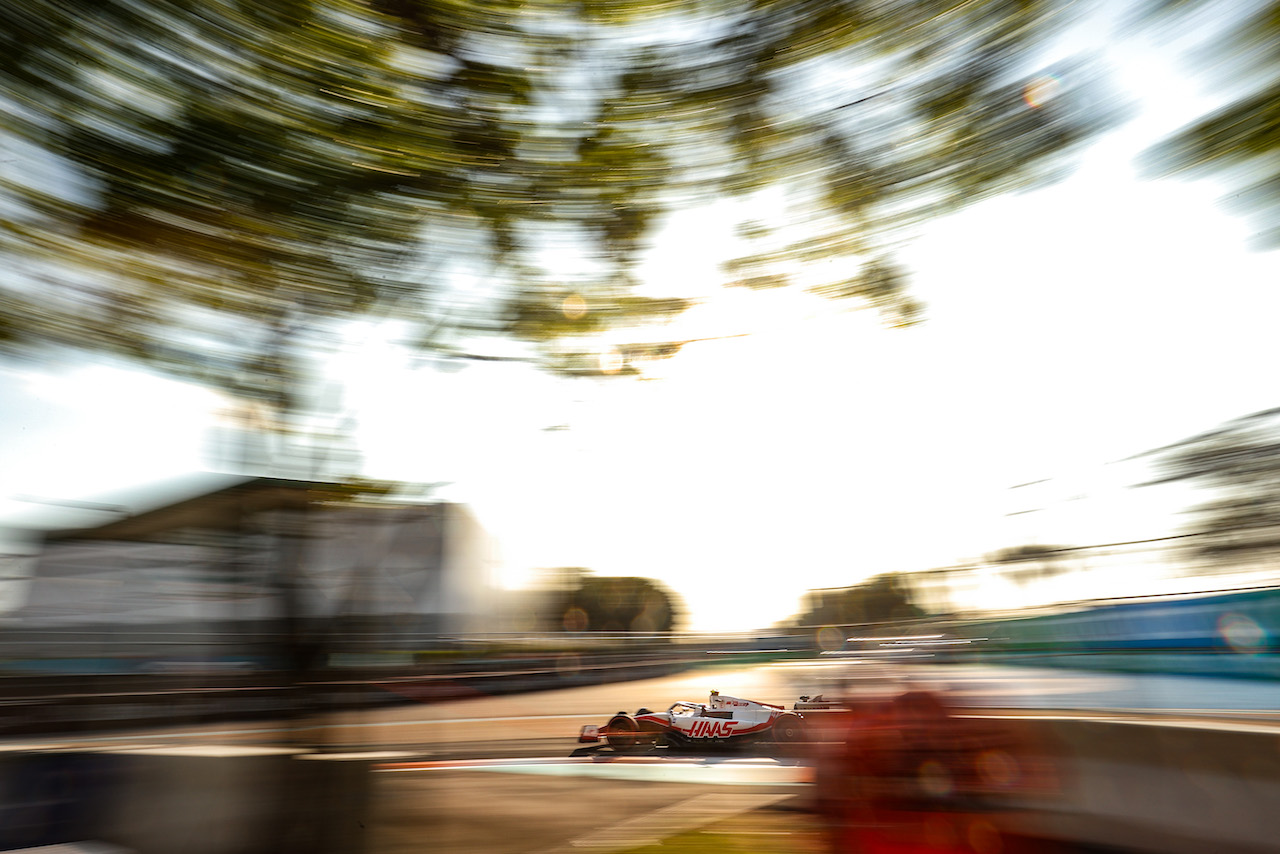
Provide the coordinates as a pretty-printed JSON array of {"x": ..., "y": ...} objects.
[{"x": 711, "y": 729}]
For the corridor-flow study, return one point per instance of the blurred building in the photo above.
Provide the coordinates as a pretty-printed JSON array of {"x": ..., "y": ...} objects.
[{"x": 213, "y": 574}]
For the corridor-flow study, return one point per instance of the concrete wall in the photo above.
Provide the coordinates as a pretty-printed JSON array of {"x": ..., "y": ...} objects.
[
  {"x": 197, "y": 800},
  {"x": 1171, "y": 788}
]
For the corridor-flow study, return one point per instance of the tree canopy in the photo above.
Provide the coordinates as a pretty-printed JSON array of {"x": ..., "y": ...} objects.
[
  {"x": 1239, "y": 465},
  {"x": 1031, "y": 561},
  {"x": 207, "y": 186},
  {"x": 1240, "y": 140},
  {"x": 582, "y": 602},
  {"x": 883, "y": 598}
]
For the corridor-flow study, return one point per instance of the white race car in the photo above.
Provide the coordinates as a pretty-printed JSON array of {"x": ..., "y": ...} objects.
[{"x": 720, "y": 720}]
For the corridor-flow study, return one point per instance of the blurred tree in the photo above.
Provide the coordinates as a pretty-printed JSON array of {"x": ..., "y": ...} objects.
[
  {"x": 207, "y": 187},
  {"x": 1239, "y": 141},
  {"x": 213, "y": 188},
  {"x": 582, "y": 602},
  {"x": 883, "y": 598},
  {"x": 1240, "y": 462},
  {"x": 1032, "y": 562}
]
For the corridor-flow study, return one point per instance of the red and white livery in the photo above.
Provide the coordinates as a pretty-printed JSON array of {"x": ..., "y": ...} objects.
[{"x": 720, "y": 720}]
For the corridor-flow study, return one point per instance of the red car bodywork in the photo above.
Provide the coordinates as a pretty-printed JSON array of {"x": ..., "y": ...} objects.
[{"x": 909, "y": 775}]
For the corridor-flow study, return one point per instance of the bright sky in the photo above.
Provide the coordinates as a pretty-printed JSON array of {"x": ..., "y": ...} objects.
[{"x": 1067, "y": 328}]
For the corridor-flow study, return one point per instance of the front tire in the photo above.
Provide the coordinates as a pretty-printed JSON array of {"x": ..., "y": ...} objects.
[{"x": 623, "y": 733}]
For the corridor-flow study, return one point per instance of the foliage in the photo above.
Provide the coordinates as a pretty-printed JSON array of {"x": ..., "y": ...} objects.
[
  {"x": 1241, "y": 140},
  {"x": 1240, "y": 463},
  {"x": 1031, "y": 562},
  {"x": 883, "y": 598},
  {"x": 583, "y": 602},
  {"x": 208, "y": 186}
]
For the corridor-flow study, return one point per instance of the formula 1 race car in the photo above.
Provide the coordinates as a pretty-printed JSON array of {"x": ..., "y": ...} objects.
[{"x": 721, "y": 720}]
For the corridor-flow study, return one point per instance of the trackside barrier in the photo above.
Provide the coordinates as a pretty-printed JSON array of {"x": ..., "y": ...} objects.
[
  {"x": 194, "y": 799},
  {"x": 1160, "y": 786},
  {"x": 60, "y": 705}
]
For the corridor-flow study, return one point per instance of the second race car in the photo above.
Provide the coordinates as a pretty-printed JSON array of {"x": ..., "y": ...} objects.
[{"x": 719, "y": 721}]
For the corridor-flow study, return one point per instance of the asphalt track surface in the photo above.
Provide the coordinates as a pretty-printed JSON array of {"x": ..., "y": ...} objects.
[
  {"x": 540, "y": 799},
  {"x": 498, "y": 774}
]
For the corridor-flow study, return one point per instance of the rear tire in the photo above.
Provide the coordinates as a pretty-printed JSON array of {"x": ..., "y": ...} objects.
[{"x": 787, "y": 729}]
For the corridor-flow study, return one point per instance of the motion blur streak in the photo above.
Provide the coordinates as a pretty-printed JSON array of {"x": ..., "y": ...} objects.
[{"x": 283, "y": 225}]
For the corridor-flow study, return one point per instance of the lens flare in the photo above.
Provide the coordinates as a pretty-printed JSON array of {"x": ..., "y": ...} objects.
[
  {"x": 830, "y": 638},
  {"x": 1242, "y": 633},
  {"x": 574, "y": 307},
  {"x": 575, "y": 620},
  {"x": 610, "y": 361},
  {"x": 997, "y": 768},
  {"x": 1040, "y": 90},
  {"x": 935, "y": 779}
]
